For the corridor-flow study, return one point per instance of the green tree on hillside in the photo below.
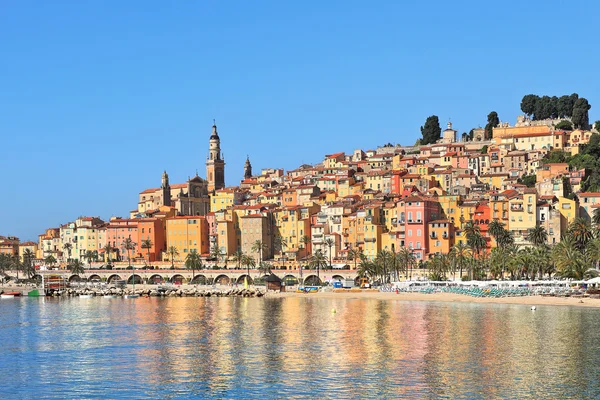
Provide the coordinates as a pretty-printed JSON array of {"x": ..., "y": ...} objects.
[
  {"x": 492, "y": 122},
  {"x": 564, "y": 125},
  {"x": 431, "y": 131},
  {"x": 528, "y": 104},
  {"x": 580, "y": 116}
]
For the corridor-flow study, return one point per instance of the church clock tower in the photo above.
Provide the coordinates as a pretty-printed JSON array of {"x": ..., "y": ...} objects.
[
  {"x": 215, "y": 165},
  {"x": 166, "y": 190}
]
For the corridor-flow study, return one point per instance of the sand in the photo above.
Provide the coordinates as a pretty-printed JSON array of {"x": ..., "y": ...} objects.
[{"x": 373, "y": 294}]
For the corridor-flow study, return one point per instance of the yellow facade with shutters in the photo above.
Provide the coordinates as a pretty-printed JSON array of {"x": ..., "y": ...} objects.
[{"x": 187, "y": 233}]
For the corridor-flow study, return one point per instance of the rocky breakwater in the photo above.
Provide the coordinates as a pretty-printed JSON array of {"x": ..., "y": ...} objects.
[{"x": 161, "y": 292}]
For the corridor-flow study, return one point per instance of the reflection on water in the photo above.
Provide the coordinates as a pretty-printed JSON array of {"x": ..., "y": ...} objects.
[{"x": 296, "y": 348}]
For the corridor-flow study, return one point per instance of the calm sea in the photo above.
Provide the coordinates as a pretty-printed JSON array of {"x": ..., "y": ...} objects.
[{"x": 295, "y": 348}]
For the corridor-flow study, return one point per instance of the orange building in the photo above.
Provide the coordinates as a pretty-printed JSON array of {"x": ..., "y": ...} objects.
[
  {"x": 187, "y": 233},
  {"x": 9, "y": 245},
  {"x": 154, "y": 230}
]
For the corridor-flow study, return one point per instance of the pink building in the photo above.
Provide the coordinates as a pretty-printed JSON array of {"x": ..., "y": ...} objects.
[
  {"x": 118, "y": 230},
  {"x": 415, "y": 213}
]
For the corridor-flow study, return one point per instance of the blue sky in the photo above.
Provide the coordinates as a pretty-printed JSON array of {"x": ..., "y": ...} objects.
[{"x": 97, "y": 98}]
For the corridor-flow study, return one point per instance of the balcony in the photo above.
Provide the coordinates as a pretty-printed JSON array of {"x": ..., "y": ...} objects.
[
  {"x": 370, "y": 239},
  {"x": 516, "y": 208}
]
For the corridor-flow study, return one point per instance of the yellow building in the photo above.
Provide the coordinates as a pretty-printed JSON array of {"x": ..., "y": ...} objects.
[
  {"x": 372, "y": 237},
  {"x": 292, "y": 224},
  {"x": 224, "y": 198},
  {"x": 441, "y": 236},
  {"x": 569, "y": 210},
  {"x": 31, "y": 246},
  {"x": 187, "y": 233},
  {"x": 522, "y": 211},
  {"x": 450, "y": 207}
]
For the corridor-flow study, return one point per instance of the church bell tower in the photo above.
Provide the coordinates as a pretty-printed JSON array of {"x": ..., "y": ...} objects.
[
  {"x": 166, "y": 190},
  {"x": 215, "y": 165},
  {"x": 247, "y": 169}
]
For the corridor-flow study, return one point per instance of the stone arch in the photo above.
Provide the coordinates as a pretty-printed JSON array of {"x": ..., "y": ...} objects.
[
  {"x": 75, "y": 278},
  {"x": 357, "y": 281},
  {"x": 199, "y": 280},
  {"x": 155, "y": 279},
  {"x": 37, "y": 277},
  {"x": 337, "y": 278},
  {"x": 240, "y": 279},
  {"x": 138, "y": 279},
  {"x": 112, "y": 278},
  {"x": 290, "y": 280},
  {"x": 94, "y": 277},
  {"x": 312, "y": 280},
  {"x": 177, "y": 279},
  {"x": 222, "y": 280}
]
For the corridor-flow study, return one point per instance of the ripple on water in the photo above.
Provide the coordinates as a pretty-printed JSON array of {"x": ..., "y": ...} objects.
[{"x": 295, "y": 348}]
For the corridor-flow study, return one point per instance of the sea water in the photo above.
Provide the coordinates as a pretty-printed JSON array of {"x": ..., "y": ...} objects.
[{"x": 295, "y": 347}]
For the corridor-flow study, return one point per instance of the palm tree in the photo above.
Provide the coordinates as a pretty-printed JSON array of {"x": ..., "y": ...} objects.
[
  {"x": 593, "y": 250},
  {"x": 107, "y": 250},
  {"x": 264, "y": 268},
  {"x": 76, "y": 267},
  {"x": 406, "y": 261},
  {"x": 581, "y": 230},
  {"x": 329, "y": 242},
  {"x": 193, "y": 262},
  {"x": 248, "y": 262},
  {"x": 439, "y": 267},
  {"x": 50, "y": 260},
  {"x": 478, "y": 243},
  {"x": 68, "y": 247},
  {"x": 570, "y": 262},
  {"x": 353, "y": 254},
  {"x": 505, "y": 238},
  {"x": 258, "y": 247},
  {"x": 89, "y": 256},
  {"x": 366, "y": 268},
  {"x": 305, "y": 240},
  {"x": 471, "y": 229},
  {"x": 173, "y": 252},
  {"x": 147, "y": 244},
  {"x": 280, "y": 244},
  {"x": 596, "y": 216},
  {"x": 129, "y": 245},
  {"x": 495, "y": 229},
  {"x": 461, "y": 253},
  {"x": 538, "y": 235},
  {"x": 317, "y": 261},
  {"x": 215, "y": 253},
  {"x": 27, "y": 266},
  {"x": 237, "y": 257},
  {"x": 384, "y": 257}
]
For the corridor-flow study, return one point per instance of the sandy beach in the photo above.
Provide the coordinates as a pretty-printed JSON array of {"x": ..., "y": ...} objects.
[
  {"x": 372, "y": 294},
  {"x": 449, "y": 297}
]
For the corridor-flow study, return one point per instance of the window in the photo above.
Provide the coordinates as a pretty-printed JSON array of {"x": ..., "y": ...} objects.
[
  {"x": 418, "y": 232},
  {"x": 410, "y": 232}
]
